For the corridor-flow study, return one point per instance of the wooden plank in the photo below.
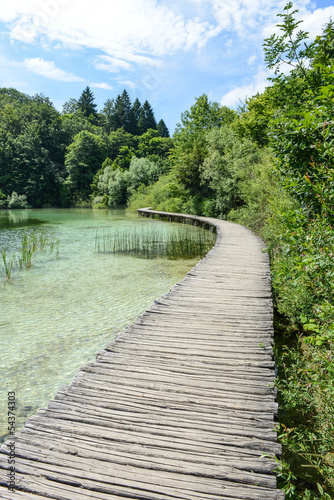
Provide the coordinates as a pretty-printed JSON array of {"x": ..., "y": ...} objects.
[{"x": 122, "y": 452}]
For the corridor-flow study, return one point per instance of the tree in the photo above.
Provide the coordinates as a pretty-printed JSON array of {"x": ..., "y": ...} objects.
[
  {"x": 255, "y": 116},
  {"x": 71, "y": 106},
  {"x": 26, "y": 167},
  {"x": 87, "y": 105},
  {"x": 191, "y": 142},
  {"x": 162, "y": 129},
  {"x": 146, "y": 118},
  {"x": 118, "y": 139},
  {"x": 151, "y": 144},
  {"x": 302, "y": 135},
  {"x": 47, "y": 119},
  {"x": 83, "y": 159},
  {"x": 108, "y": 113},
  {"x": 136, "y": 107},
  {"x": 150, "y": 121},
  {"x": 123, "y": 112}
]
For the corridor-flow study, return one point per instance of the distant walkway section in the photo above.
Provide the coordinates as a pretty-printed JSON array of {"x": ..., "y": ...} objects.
[{"x": 180, "y": 407}]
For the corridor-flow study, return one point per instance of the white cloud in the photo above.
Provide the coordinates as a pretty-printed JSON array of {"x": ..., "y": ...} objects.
[
  {"x": 251, "y": 60},
  {"x": 112, "y": 64},
  {"x": 102, "y": 85},
  {"x": 48, "y": 69},
  {"x": 133, "y": 30},
  {"x": 258, "y": 18},
  {"x": 128, "y": 83},
  {"x": 315, "y": 21},
  {"x": 238, "y": 94}
]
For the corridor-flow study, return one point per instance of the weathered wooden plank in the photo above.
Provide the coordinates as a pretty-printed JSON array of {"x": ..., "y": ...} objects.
[
  {"x": 124, "y": 452},
  {"x": 155, "y": 385},
  {"x": 182, "y": 365},
  {"x": 188, "y": 440},
  {"x": 212, "y": 415},
  {"x": 131, "y": 374},
  {"x": 179, "y": 487},
  {"x": 238, "y": 439},
  {"x": 110, "y": 465}
]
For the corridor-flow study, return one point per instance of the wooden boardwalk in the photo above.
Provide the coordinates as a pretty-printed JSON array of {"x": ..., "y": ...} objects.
[{"x": 180, "y": 407}]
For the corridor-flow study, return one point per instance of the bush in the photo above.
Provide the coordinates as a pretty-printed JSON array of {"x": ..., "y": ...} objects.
[{"x": 17, "y": 201}]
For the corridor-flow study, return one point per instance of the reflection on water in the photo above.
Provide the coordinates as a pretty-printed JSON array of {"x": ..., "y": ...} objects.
[
  {"x": 58, "y": 314},
  {"x": 17, "y": 218}
]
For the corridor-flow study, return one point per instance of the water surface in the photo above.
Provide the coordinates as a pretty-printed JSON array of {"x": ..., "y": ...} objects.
[{"x": 56, "y": 315}]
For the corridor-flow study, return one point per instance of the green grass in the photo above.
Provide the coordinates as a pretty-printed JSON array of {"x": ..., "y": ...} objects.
[
  {"x": 8, "y": 266},
  {"x": 151, "y": 242},
  {"x": 31, "y": 243}
]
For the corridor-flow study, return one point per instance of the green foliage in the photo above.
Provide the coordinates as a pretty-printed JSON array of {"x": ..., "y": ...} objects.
[
  {"x": 151, "y": 144},
  {"x": 26, "y": 167},
  {"x": 227, "y": 157},
  {"x": 146, "y": 118},
  {"x": 255, "y": 116},
  {"x": 304, "y": 148},
  {"x": 86, "y": 104},
  {"x": 118, "y": 185},
  {"x": 285, "y": 48},
  {"x": 260, "y": 192},
  {"x": 165, "y": 194},
  {"x": 191, "y": 143},
  {"x": 8, "y": 265},
  {"x": 17, "y": 201},
  {"x": 119, "y": 138},
  {"x": 306, "y": 392},
  {"x": 303, "y": 272},
  {"x": 301, "y": 245},
  {"x": 83, "y": 159},
  {"x": 162, "y": 129},
  {"x": 39, "y": 152},
  {"x": 122, "y": 113}
]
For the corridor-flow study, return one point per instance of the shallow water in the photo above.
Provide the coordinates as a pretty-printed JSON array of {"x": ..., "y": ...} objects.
[{"x": 58, "y": 314}]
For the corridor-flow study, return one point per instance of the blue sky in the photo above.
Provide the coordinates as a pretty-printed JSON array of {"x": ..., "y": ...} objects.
[{"x": 166, "y": 51}]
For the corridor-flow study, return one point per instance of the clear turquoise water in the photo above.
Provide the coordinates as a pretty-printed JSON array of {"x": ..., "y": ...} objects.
[{"x": 55, "y": 316}]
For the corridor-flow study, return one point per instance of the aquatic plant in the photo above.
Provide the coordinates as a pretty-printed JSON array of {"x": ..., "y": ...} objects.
[
  {"x": 31, "y": 242},
  {"x": 149, "y": 242},
  {"x": 8, "y": 266},
  {"x": 34, "y": 241}
]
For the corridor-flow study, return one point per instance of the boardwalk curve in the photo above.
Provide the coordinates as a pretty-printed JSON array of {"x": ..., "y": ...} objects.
[{"x": 181, "y": 406}]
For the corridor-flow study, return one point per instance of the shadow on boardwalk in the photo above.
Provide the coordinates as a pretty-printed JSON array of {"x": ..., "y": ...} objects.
[{"x": 180, "y": 406}]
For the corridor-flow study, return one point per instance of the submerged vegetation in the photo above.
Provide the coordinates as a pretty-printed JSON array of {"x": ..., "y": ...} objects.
[
  {"x": 147, "y": 241},
  {"x": 31, "y": 243},
  {"x": 8, "y": 265}
]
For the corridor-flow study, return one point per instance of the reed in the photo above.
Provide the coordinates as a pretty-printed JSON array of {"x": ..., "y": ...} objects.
[
  {"x": 150, "y": 242},
  {"x": 8, "y": 266}
]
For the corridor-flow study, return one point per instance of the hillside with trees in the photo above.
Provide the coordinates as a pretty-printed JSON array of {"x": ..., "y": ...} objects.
[{"x": 52, "y": 159}]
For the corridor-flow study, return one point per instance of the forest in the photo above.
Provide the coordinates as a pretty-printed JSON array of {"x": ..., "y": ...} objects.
[
  {"x": 269, "y": 166},
  {"x": 52, "y": 159}
]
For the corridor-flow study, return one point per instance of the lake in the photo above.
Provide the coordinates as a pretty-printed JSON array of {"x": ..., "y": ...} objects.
[{"x": 56, "y": 315}]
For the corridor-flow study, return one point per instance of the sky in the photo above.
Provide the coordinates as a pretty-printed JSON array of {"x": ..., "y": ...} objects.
[{"x": 166, "y": 51}]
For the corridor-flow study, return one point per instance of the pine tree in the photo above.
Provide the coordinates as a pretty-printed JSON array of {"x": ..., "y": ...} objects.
[
  {"x": 146, "y": 118},
  {"x": 123, "y": 111},
  {"x": 141, "y": 122},
  {"x": 135, "y": 117},
  {"x": 162, "y": 129},
  {"x": 150, "y": 121},
  {"x": 86, "y": 103},
  {"x": 109, "y": 115}
]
